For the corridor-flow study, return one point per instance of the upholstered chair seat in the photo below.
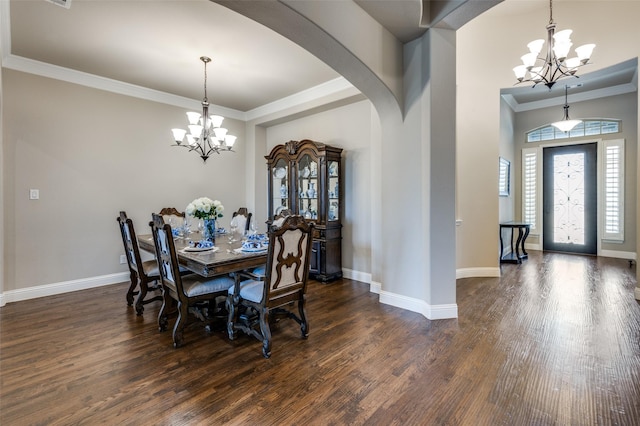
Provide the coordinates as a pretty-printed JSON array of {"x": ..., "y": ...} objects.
[{"x": 197, "y": 286}]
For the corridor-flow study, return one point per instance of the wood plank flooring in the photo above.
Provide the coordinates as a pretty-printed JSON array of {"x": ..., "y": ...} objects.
[{"x": 555, "y": 341}]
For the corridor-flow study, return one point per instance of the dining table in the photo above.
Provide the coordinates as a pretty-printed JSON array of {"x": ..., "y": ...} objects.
[{"x": 226, "y": 257}]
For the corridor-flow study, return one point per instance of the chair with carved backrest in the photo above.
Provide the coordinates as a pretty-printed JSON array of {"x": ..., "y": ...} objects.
[
  {"x": 260, "y": 272},
  {"x": 285, "y": 284},
  {"x": 191, "y": 291},
  {"x": 242, "y": 218},
  {"x": 142, "y": 273},
  {"x": 172, "y": 216}
]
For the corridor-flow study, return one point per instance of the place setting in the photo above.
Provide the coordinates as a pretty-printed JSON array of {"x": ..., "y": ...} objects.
[
  {"x": 200, "y": 246},
  {"x": 254, "y": 243}
]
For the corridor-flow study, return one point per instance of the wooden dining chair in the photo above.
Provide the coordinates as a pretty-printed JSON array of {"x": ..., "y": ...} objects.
[
  {"x": 172, "y": 216},
  {"x": 242, "y": 215},
  {"x": 183, "y": 292},
  {"x": 142, "y": 273},
  {"x": 259, "y": 273},
  {"x": 284, "y": 285}
]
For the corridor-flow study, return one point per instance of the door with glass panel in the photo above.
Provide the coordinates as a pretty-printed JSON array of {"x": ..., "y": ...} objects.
[{"x": 570, "y": 198}]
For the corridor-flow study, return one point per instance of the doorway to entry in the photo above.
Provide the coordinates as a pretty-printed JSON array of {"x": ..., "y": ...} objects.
[{"x": 569, "y": 198}]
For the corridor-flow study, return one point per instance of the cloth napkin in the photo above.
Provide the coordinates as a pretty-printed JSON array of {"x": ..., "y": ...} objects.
[{"x": 201, "y": 244}]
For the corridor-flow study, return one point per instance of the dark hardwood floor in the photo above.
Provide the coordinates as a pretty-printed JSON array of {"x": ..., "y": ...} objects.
[{"x": 555, "y": 341}]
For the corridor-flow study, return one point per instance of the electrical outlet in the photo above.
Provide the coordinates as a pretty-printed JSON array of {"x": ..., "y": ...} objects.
[
  {"x": 123, "y": 259},
  {"x": 34, "y": 194}
]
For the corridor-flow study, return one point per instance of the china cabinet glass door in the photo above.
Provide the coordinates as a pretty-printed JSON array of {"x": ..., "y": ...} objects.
[
  {"x": 333, "y": 189},
  {"x": 308, "y": 187},
  {"x": 280, "y": 193}
]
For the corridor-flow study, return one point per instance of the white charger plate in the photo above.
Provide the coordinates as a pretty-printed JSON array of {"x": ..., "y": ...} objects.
[{"x": 198, "y": 249}]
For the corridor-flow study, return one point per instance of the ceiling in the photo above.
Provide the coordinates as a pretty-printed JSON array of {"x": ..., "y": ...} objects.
[{"x": 156, "y": 44}]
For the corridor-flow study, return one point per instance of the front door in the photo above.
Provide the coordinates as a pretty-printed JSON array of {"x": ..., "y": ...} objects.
[{"x": 570, "y": 198}]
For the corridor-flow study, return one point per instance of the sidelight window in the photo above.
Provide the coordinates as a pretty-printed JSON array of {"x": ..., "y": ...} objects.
[{"x": 613, "y": 189}]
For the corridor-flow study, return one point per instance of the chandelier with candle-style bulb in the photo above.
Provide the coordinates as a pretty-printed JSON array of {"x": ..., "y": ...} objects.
[
  {"x": 206, "y": 136},
  {"x": 555, "y": 65}
]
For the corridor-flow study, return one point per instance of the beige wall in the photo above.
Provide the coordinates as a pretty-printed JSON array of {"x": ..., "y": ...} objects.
[
  {"x": 349, "y": 128},
  {"x": 91, "y": 154},
  {"x": 485, "y": 58},
  {"x": 506, "y": 205}
]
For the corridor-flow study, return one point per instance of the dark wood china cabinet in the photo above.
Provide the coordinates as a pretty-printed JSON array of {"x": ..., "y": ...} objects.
[{"x": 306, "y": 177}]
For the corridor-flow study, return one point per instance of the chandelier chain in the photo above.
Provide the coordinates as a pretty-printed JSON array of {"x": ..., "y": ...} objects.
[{"x": 205, "y": 60}]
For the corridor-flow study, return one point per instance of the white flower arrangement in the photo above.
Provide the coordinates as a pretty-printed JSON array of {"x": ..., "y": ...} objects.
[{"x": 205, "y": 208}]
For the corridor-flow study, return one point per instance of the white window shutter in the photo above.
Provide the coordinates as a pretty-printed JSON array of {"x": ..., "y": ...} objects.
[
  {"x": 613, "y": 190},
  {"x": 531, "y": 187}
]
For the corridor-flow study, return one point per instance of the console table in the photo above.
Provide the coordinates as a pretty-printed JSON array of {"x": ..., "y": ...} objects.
[{"x": 518, "y": 253}]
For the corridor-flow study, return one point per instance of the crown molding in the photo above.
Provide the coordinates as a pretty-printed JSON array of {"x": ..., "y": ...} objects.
[
  {"x": 18, "y": 63},
  {"x": 338, "y": 87},
  {"x": 56, "y": 72},
  {"x": 323, "y": 90}
]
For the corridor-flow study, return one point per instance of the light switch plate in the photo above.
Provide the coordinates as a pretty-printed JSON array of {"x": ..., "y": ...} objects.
[{"x": 34, "y": 194}]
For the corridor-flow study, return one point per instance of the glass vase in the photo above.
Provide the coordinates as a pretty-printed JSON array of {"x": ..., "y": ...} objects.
[{"x": 209, "y": 230}]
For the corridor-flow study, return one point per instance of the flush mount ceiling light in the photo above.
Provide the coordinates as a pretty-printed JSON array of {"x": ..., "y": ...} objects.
[
  {"x": 555, "y": 65},
  {"x": 205, "y": 135},
  {"x": 566, "y": 124}
]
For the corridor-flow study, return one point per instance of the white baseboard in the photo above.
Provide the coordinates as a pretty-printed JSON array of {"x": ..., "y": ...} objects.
[
  {"x": 533, "y": 246},
  {"x": 62, "y": 287},
  {"x": 404, "y": 302},
  {"x": 432, "y": 312},
  {"x": 477, "y": 272},
  {"x": 629, "y": 255},
  {"x": 363, "y": 277}
]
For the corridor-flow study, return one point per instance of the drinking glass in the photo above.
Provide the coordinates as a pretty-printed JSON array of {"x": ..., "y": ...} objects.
[
  {"x": 186, "y": 227},
  {"x": 233, "y": 227}
]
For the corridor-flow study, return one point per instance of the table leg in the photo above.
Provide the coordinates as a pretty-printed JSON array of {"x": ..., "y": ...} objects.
[
  {"x": 526, "y": 234},
  {"x": 520, "y": 234},
  {"x": 512, "y": 244},
  {"x": 501, "y": 244}
]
